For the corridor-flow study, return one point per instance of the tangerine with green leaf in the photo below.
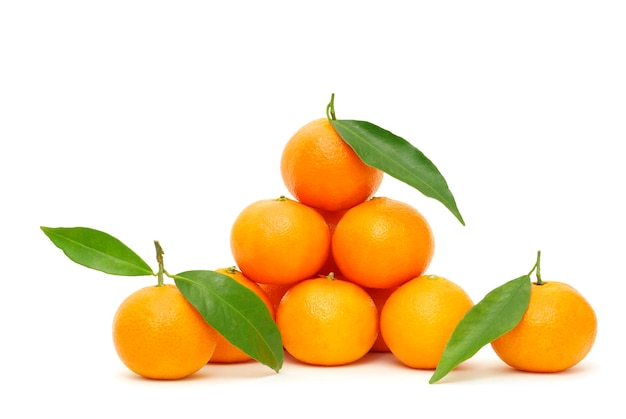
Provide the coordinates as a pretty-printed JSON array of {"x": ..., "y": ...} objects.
[
  {"x": 395, "y": 156},
  {"x": 170, "y": 331},
  {"x": 556, "y": 332},
  {"x": 158, "y": 334},
  {"x": 226, "y": 352},
  {"x": 320, "y": 170}
]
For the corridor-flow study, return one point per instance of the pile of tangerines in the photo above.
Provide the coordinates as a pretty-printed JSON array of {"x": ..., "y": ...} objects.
[
  {"x": 330, "y": 258},
  {"x": 343, "y": 272}
]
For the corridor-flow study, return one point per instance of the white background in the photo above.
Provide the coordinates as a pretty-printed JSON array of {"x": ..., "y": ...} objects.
[{"x": 162, "y": 120}]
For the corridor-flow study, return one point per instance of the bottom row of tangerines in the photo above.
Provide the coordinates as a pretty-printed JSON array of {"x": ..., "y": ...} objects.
[
  {"x": 329, "y": 321},
  {"x": 322, "y": 321}
]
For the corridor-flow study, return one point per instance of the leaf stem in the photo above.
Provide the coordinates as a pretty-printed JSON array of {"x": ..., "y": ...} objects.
[
  {"x": 330, "y": 108},
  {"x": 159, "y": 258}
]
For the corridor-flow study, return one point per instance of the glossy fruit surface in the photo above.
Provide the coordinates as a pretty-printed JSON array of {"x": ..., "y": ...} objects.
[
  {"x": 279, "y": 241},
  {"x": 557, "y": 331},
  {"x": 419, "y": 317},
  {"x": 382, "y": 243},
  {"x": 158, "y": 334},
  {"x": 320, "y": 170},
  {"x": 327, "y": 321}
]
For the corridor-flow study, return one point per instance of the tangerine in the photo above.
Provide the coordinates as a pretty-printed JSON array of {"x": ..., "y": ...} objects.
[
  {"x": 275, "y": 292},
  {"x": 279, "y": 241},
  {"x": 158, "y": 334},
  {"x": 331, "y": 218},
  {"x": 321, "y": 170},
  {"x": 556, "y": 332},
  {"x": 380, "y": 296},
  {"x": 327, "y": 321},
  {"x": 419, "y": 317},
  {"x": 382, "y": 243}
]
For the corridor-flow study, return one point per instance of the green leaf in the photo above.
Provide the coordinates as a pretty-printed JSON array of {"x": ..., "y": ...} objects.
[
  {"x": 395, "y": 156},
  {"x": 97, "y": 250},
  {"x": 235, "y": 312},
  {"x": 497, "y": 313}
]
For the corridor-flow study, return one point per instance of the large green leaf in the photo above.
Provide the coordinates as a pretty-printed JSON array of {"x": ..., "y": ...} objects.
[
  {"x": 497, "y": 313},
  {"x": 395, "y": 156},
  {"x": 236, "y": 312},
  {"x": 97, "y": 250}
]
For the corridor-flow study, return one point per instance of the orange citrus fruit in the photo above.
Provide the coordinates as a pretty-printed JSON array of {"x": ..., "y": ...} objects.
[
  {"x": 556, "y": 332},
  {"x": 382, "y": 243},
  {"x": 279, "y": 241},
  {"x": 331, "y": 218},
  {"x": 158, "y": 334},
  {"x": 327, "y": 321},
  {"x": 226, "y": 352},
  {"x": 380, "y": 296},
  {"x": 321, "y": 170},
  {"x": 419, "y": 317},
  {"x": 275, "y": 292}
]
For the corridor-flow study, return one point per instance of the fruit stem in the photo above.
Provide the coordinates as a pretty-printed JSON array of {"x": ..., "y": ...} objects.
[
  {"x": 538, "y": 273},
  {"x": 159, "y": 257},
  {"x": 330, "y": 108},
  {"x": 537, "y": 269}
]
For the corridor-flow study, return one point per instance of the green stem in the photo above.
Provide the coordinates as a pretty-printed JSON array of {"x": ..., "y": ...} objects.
[
  {"x": 159, "y": 257},
  {"x": 537, "y": 269},
  {"x": 538, "y": 264},
  {"x": 330, "y": 108}
]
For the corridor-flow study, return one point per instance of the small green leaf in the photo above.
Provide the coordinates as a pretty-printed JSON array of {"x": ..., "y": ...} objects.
[
  {"x": 97, "y": 250},
  {"x": 497, "y": 313},
  {"x": 235, "y": 312},
  {"x": 395, "y": 156}
]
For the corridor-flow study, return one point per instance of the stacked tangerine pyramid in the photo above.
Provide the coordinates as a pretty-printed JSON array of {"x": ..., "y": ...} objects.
[{"x": 329, "y": 259}]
